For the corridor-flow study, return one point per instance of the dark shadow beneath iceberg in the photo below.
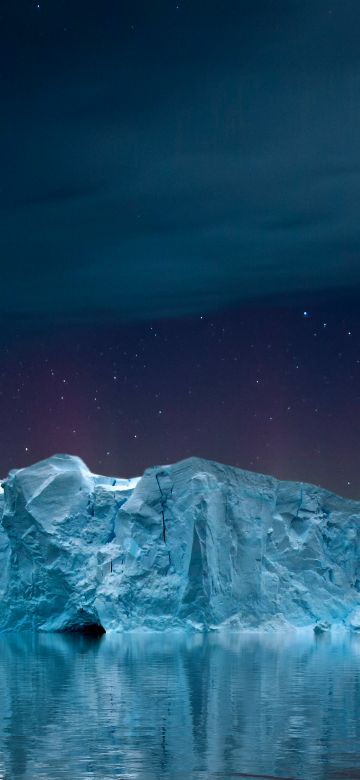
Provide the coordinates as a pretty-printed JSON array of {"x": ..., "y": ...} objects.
[{"x": 88, "y": 629}]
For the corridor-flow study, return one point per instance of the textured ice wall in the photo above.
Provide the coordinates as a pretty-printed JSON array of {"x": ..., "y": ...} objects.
[
  {"x": 4, "y": 551},
  {"x": 196, "y": 544}
]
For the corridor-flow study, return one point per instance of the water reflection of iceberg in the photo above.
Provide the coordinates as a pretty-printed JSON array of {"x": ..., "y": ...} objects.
[{"x": 151, "y": 706}]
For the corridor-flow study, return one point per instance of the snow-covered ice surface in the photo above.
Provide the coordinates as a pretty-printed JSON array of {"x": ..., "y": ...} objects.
[{"x": 192, "y": 545}]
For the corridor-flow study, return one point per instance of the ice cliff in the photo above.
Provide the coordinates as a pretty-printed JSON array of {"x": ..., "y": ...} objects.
[{"x": 195, "y": 544}]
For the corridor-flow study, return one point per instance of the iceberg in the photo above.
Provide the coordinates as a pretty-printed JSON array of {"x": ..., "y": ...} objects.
[{"x": 193, "y": 545}]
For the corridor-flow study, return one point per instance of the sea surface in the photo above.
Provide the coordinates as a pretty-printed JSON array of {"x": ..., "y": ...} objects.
[{"x": 168, "y": 706}]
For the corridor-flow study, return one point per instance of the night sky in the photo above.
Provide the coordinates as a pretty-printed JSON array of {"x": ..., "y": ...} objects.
[{"x": 180, "y": 235}]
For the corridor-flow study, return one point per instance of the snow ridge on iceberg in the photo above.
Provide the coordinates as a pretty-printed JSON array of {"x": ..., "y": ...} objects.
[{"x": 195, "y": 544}]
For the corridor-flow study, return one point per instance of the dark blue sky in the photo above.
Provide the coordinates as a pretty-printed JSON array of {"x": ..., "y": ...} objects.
[{"x": 165, "y": 166}]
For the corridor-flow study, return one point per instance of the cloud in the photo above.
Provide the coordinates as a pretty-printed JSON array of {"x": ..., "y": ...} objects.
[{"x": 240, "y": 181}]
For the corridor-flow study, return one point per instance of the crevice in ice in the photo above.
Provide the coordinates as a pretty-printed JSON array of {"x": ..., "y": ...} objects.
[
  {"x": 163, "y": 504},
  {"x": 195, "y": 600},
  {"x": 112, "y": 533},
  {"x": 162, "y": 507},
  {"x": 91, "y": 505}
]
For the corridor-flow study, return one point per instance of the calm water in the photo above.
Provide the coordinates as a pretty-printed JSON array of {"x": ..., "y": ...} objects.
[{"x": 159, "y": 707}]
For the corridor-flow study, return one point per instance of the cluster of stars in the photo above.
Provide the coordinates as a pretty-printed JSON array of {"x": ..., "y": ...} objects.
[{"x": 212, "y": 385}]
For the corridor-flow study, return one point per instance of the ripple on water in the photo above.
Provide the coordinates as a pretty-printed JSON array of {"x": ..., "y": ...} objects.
[{"x": 162, "y": 707}]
